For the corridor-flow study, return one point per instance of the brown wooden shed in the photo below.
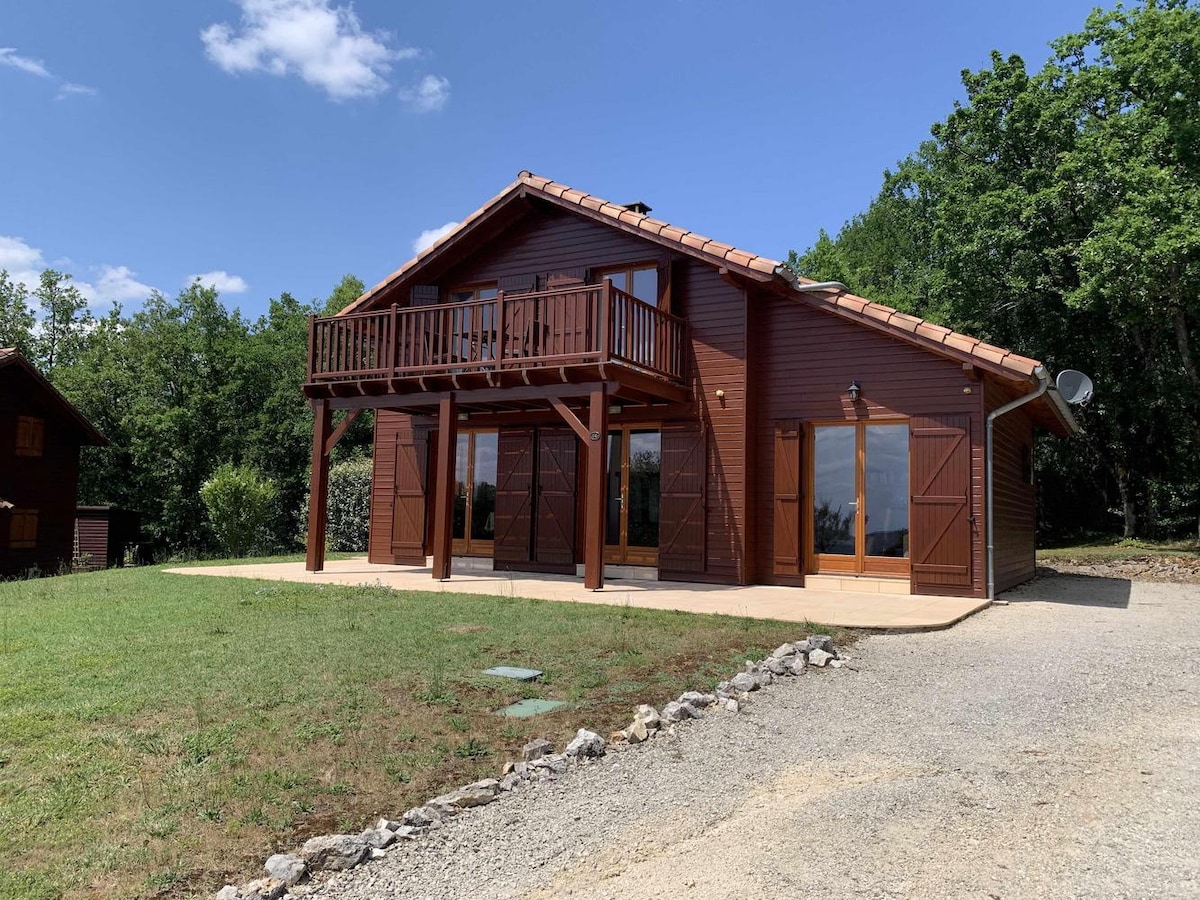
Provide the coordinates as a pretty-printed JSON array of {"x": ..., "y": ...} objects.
[
  {"x": 40, "y": 437},
  {"x": 103, "y": 537},
  {"x": 563, "y": 384}
]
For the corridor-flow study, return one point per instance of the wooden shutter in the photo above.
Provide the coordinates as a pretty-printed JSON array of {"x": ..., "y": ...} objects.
[
  {"x": 514, "y": 497},
  {"x": 408, "y": 509},
  {"x": 941, "y": 535},
  {"x": 681, "y": 537},
  {"x": 787, "y": 492},
  {"x": 554, "y": 533},
  {"x": 517, "y": 284},
  {"x": 424, "y": 294}
]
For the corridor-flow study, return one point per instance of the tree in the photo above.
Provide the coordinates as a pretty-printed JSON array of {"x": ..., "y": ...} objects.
[
  {"x": 16, "y": 318},
  {"x": 1059, "y": 214},
  {"x": 64, "y": 325}
]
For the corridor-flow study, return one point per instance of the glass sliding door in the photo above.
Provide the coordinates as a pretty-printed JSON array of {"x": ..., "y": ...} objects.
[
  {"x": 858, "y": 516},
  {"x": 634, "y": 466},
  {"x": 474, "y": 525}
]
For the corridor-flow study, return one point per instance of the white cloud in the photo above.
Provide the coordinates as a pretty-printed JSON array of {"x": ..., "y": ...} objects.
[
  {"x": 23, "y": 263},
  {"x": 222, "y": 281},
  {"x": 427, "y": 95},
  {"x": 9, "y": 57},
  {"x": 431, "y": 236},
  {"x": 324, "y": 44},
  {"x": 116, "y": 284},
  {"x": 70, "y": 89}
]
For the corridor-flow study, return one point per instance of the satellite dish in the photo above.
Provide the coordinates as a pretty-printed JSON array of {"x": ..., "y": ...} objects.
[{"x": 1075, "y": 387}]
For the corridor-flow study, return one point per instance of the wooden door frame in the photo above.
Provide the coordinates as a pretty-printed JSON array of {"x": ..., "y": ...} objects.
[
  {"x": 622, "y": 554},
  {"x": 466, "y": 545},
  {"x": 858, "y": 564}
]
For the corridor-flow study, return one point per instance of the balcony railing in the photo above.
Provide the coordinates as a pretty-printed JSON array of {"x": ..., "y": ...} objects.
[{"x": 570, "y": 326}]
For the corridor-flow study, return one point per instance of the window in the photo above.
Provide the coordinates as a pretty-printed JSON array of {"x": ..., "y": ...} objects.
[
  {"x": 641, "y": 281},
  {"x": 22, "y": 529},
  {"x": 477, "y": 292},
  {"x": 30, "y": 436}
]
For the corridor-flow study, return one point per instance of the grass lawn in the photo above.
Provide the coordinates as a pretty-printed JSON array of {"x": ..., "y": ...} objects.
[
  {"x": 162, "y": 733},
  {"x": 1112, "y": 549}
]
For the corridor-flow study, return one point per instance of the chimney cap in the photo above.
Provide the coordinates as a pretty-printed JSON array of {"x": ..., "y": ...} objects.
[{"x": 638, "y": 206}]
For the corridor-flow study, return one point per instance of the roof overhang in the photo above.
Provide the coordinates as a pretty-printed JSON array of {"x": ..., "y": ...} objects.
[{"x": 12, "y": 358}]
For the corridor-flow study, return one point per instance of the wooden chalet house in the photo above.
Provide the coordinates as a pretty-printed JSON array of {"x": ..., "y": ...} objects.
[
  {"x": 562, "y": 383},
  {"x": 40, "y": 437}
]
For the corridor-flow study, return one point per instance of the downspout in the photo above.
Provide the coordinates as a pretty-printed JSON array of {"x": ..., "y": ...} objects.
[{"x": 1043, "y": 378}]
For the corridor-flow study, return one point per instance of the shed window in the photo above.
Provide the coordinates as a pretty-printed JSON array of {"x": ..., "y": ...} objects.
[
  {"x": 31, "y": 434},
  {"x": 22, "y": 529}
]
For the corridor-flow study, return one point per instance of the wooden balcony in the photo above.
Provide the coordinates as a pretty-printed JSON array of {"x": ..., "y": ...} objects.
[{"x": 570, "y": 335}]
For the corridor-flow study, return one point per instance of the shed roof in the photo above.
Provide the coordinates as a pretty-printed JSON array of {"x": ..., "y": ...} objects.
[
  {"x": 752, "y": 266},
  {"x": 11, "y": 358}
]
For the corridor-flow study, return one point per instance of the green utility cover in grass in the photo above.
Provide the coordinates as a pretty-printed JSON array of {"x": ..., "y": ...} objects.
[
  {"x": 513, "y": 672},
  {"x": 523, "y": 709}
]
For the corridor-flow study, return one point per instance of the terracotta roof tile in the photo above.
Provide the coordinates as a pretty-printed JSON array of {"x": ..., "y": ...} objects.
[
  {"x": 673, "y": 234},
  {"x": 590, "y": 202},
  {"x": 962, "y": 343},
  {"x": 906, "y": 322}
]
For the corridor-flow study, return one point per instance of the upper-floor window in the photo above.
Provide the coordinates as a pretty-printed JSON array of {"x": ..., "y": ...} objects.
[
  {"x": 475, "y": 292},
  {"x": 640, "y": 280},
  {"x": 31, "y": 435},
  {"x": 22, "y": 529}
]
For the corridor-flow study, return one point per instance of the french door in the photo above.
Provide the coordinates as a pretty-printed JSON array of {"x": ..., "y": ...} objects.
[
  {"x": 631, "y": 519},
  {"x": 474, "y": 525},
  {"x": 858, "y": 520}
]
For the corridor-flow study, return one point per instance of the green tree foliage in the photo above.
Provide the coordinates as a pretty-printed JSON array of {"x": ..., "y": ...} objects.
[
  {"x": 239, "y": 502},
  {"x": 64, "y": 323},
  {"x": 1058, "y": 213},
  {"x": 16, "y": 316}
]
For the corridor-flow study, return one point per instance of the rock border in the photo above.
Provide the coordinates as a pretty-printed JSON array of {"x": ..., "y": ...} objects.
[{"x": 338, "y": 852}]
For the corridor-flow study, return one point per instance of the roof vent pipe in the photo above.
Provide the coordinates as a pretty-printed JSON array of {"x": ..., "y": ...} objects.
[{"x": 1043, "y": 378}]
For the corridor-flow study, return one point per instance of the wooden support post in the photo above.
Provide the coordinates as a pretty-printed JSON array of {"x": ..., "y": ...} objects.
[
  {"x": 318, "y": 486},
  {"x": 595, "y": 503},
  {"x": 443, "y": 486}
]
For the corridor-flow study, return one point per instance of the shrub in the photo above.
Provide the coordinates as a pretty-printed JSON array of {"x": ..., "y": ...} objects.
[
  {"x": 240, "y": 502},
  {"x": 349, "y": 510}
]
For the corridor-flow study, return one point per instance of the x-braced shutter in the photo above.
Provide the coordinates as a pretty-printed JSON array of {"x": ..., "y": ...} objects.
[
  {"x": 681, "y": 541},
  {"x": 786, "y": 531},
  {"x": 941, "y": 535},
  {"x": 514, "y": 496}
]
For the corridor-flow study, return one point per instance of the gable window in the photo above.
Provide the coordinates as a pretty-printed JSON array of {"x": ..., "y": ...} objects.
[
  {"x": 22, "y": 529},
  {"x": 640, "y": 280},
  {"x": 471, "y": 327},
  {"x": 475, "y": 292},
  {"x": 31, "y": 434}
]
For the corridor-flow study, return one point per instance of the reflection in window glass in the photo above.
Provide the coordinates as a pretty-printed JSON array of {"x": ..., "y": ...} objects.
[
  {"x": 645, "y": 459},
  {"x": 887, "y": 490},
  {"x": 483, "y": 495},
  {"x": 645, "y": 285},
  {"x": 835, "y": 493},
  {"x": 612, "y": 514},
  {"x": 460, "y": 486}
]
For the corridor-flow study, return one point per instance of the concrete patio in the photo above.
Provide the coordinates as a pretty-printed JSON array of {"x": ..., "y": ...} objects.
[{"x": 828, "y": 607}]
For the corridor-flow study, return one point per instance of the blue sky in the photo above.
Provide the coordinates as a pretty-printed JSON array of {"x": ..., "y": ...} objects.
[{"x": 275, "y": 145}]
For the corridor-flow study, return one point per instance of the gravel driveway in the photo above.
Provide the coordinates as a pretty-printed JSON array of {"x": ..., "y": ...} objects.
[{"x": 1049, "y": 748}]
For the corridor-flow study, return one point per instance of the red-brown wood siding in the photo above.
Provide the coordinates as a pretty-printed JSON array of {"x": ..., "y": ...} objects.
[
  {"x": 46, "y": 483},
  {"x": 1014, "y": 500},
  {"x": 716, "y": 314},
  {"x": 550, "y": 242},
  {"x": 803, "y": 360}
]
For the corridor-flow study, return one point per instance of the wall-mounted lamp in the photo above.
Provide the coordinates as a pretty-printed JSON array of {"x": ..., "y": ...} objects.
[
  {"x": 854, "y": 390},
  {"x": 720, "y": 394},
  {"x": 462, "y": 416},
  {"x": 614, "y": 409}
]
